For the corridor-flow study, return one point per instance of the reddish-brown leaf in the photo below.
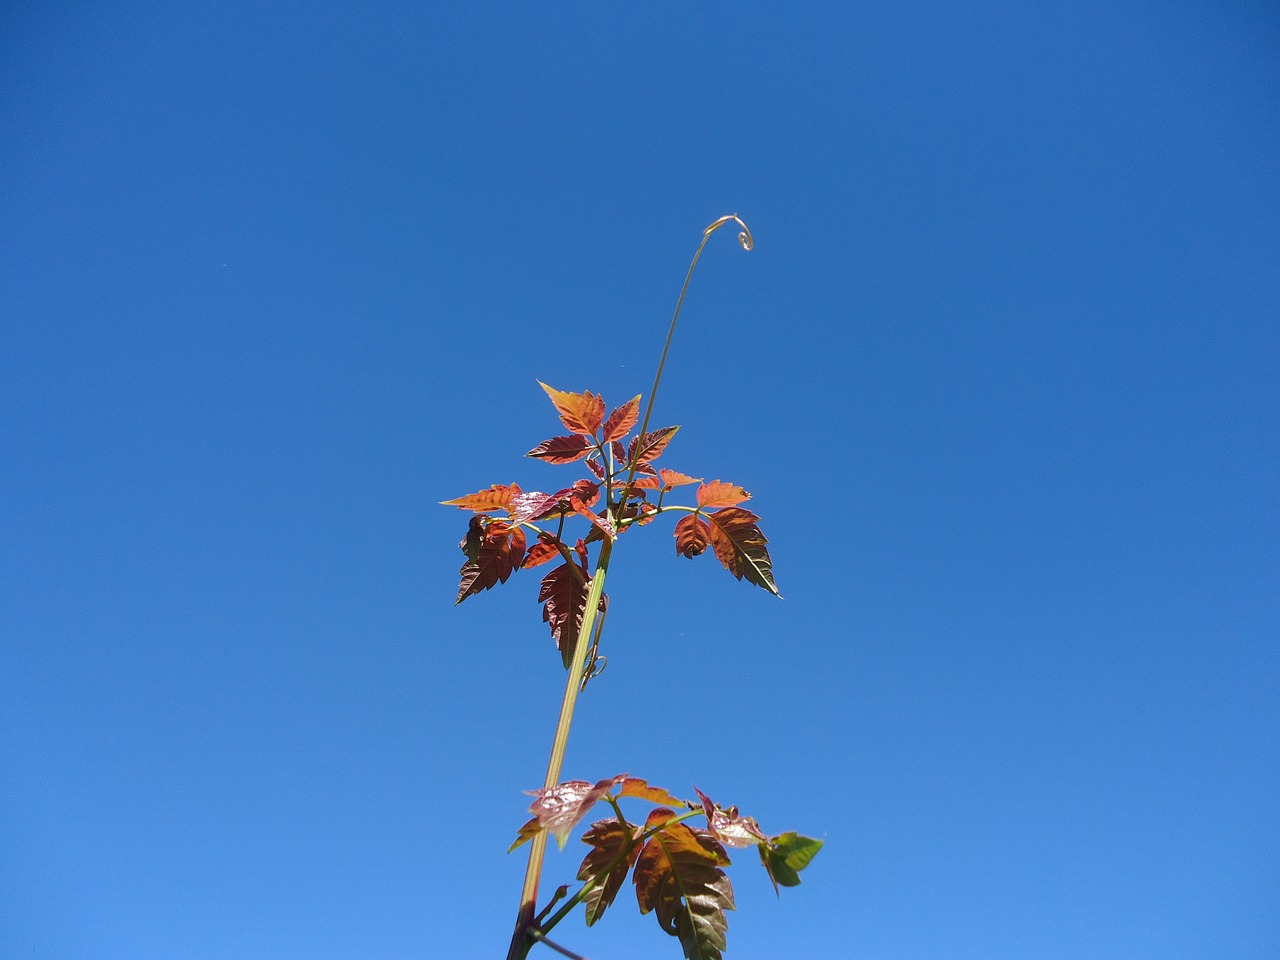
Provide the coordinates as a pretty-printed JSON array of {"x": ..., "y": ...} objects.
[
  {"x": 613, "y": 851},
  {"x": 604, "y": 523},
  {"x": 527, "y": 833},
  {"x": 729, "y": 828},
  {"x": 674, "y": 478},
  {"x": 638, "y": 787},
  {"x": 497, "y": 497},
  {"x": 559, "y": 808},
  {"x": 646, "y": 483},
  {"x": 740, "y": 546},
  {"x": 594, "y": 465},
  {"x": 562, "y": 449},
  {"x": 692, "y": 535},
  {"x": 678, "y": 874},
  {"x": 717, "y": 493},
  {"x": 580, "y": 412},
  {"x": 564, "y": 599},
  {"x": 622, "y": 420},
  {"x": 539, "y": 553},
  {"x": 584, "y": 490},
  {"x": 655, "y": 441},
  {"x": 491, "y": 557}
]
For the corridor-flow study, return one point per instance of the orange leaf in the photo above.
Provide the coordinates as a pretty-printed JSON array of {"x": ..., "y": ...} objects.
[
  {"x": 580, "y": 412},
  {"x": 622, "y": 420},
  {"x": 692, "y": 535},
  {"x": 539, "y": 554},
  {"x": 638, "y": 787},
  {"x": 674, "y": 478},
  {"x": 496, "y": 497},
  {"x": 717, "y": 493}
]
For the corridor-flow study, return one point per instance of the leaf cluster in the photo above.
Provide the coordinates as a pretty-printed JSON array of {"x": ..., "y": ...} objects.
[
  {"x": 677, "y": 868},
  {"x": 515, "y": 530}
]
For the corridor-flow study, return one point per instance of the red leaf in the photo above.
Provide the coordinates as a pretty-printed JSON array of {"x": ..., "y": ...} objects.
[
  {"x": 595, "y": 468},
  {"x": 613, "y": 851},
  {"x": 674, "y": 478},
  {"x": 740, "y": 546},
  {"x": 497, "y": 497},
  {"x": 580, "y": 412},
  {"x": 494, "y": 550},
  {"x": 584, "y": 490},
  {"x": 646, "y": 483},
  {"x": 655, "y": 441},
  {"x": 564, "y": 591},
  {"x": 717, "y": 493},
  {"x": 622, "y": 420},
  {"x": 729, "y": 828},
  {"x": 692, "y": 535},
  {"x": 559, "y": 808},
  {"x": 562, "y": 449}
]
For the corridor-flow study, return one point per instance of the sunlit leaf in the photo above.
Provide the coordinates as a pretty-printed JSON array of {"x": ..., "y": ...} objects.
[
  {"x": 646, "y": 483},
  {"x": 717, "y": 493},
  {"x": 678, "y": 874},
  {"x": 692, "y": 535},
  {"x": 613, "y": 851},
  {"x": 674, "y": 478},
  {"x": 562, "y": 449},
  {"x": 491, "y": 557},
  {"x": 527, "y": 833},
  {"x": 622, "y": 420},
  {"x": 564, "y": 599},
  {"x": 594, "y": 466},
  {"x": 603, "y": 522},
  {"x": 785, "y": 855},
  {"x": 558, "y": 809},
  {"x": 580, "y": 412},
  {"x": 540, "y": 553},
  {"x": 655, "y": 441},
  {"x": 497, "y": 497},
  {"x": 638, "y": 787},
  {"x": 740, "y": 546},
  {"x": 535, "y": 505},
  {"x": 729, "y": 828}
]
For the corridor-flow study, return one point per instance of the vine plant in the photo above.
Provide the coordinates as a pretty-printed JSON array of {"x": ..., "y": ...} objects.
[{"x": 677, "y": 868}]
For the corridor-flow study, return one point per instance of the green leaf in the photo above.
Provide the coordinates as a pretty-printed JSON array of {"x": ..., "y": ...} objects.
[{"x": 785, "y": 855}]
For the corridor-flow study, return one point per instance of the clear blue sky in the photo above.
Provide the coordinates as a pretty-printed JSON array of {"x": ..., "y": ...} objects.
[{"x": 1003, "y": 374}]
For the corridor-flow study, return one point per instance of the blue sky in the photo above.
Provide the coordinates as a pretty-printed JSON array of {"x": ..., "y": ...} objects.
[{"x": 1001, "y": 373}]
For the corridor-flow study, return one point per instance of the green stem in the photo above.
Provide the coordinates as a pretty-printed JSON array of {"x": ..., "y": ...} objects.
[
  {"x": 521, "y": 940},
  {"x": 747, "y": 242}
]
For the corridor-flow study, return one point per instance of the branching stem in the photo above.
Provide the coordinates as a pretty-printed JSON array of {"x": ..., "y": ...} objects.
[{"x": 527, "y": 931}]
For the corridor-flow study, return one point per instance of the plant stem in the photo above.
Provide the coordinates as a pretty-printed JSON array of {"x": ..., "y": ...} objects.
[
  {"x": 524, "y": 935},
  {"x": 521, "y": 941}
]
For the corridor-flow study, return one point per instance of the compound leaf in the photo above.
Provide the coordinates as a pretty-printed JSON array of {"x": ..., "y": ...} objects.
[
  {"x": 740, "y": 546},
  {"x": 580, "y": 412}
]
